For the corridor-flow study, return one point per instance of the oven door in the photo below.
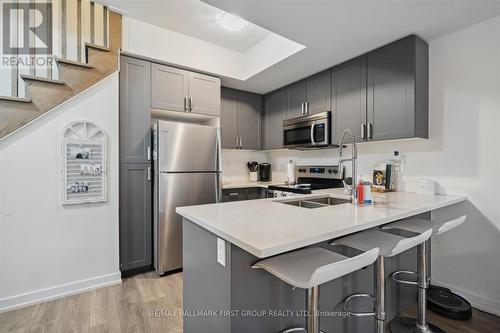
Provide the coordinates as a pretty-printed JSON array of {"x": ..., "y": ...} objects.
[{"x": 306, "y": 134}]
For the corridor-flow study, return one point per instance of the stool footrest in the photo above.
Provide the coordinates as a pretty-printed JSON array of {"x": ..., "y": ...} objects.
[
  {"x": 402, "y": 281},
  {"x": 348, "y": 301}
]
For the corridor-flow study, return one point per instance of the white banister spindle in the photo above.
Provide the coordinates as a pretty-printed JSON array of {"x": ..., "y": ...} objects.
[
  {"x": 92, "y": 22},
  {"x": 64, "y": 41},
  {"x": 79, "y": 43},
  {"x": 105, "y": 28}
]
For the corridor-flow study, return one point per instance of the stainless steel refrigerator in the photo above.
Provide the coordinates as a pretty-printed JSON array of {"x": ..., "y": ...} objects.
[{"x": 187, "y": 172}]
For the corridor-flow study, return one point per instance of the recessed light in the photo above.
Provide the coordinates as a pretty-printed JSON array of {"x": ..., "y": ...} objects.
[{"x": 231, "y": 22}]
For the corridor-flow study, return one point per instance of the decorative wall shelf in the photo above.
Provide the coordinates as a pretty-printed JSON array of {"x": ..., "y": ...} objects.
[{"x": 84, "y": 157}]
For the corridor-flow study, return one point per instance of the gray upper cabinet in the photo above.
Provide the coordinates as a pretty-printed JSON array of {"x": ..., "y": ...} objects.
[
  {"x": 249, "y": 120},
  {"x": 397, "y": 92},
  {"x": 240, "y": 120},
  {"x": 296, "y": 98},
  {"x": 135, "y": 116},
  {"x": 135, "y": 216},
  {"x": 204, "y": 94},
  {"x": 275, "y": 109},
  {"x": 169, "y": 88},
  {"x": 229, "y": 119},
  {"x": 349, "y": 98},
  {"x": 318, "y": 92},
  {"x": 179, "y": 90}
]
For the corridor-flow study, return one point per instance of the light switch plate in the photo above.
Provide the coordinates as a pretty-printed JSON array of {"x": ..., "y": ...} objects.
[{"x": 221, "y": 251}]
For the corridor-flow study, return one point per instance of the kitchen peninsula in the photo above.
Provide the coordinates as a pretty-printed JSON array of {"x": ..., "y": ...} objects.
[{"x": 222, "y": 241}]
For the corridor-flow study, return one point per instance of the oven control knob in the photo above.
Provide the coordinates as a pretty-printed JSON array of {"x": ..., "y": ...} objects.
[
  {"x": 330, "y": 171},
  {"x": 335, "y": 171}
]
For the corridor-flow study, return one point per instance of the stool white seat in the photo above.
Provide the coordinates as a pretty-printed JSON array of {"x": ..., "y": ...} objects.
[
  {"x": 310, "y": 267},
  {"x": 420, "y": 324},
  {"x": 314, "y": 266},
  {"x": 420, "y": 225},
  {"x": 390, "y": 245}
]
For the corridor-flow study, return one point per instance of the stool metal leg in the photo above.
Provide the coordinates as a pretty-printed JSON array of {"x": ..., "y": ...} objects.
[
  {"x": 380, "y": 295},
  {"x": 419, "y": 325},
  {"x": 312, "y": 321},
  {"x": 313, "y": 309}
]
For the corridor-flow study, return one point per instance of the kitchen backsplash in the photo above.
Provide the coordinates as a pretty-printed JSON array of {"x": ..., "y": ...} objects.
[
  {"x": 369, "y": 155},
  {"x": 234, "y": 164}
]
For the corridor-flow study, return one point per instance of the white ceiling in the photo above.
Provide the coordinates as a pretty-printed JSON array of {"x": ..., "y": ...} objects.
[
  {"x": 336, "y": 30},
  {"x": 193, "y": 18},
  {"x": 332, "y": 31}
]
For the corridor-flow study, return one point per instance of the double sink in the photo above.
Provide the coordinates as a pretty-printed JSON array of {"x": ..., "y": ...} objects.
[{"x": 317, "y": 202}]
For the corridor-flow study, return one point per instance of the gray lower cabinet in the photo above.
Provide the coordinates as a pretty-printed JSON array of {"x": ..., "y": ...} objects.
[
  {"x": 319, "y": 92},
  {"x": 240, "y": 120},
  {"x": 135, "y": 116},
  {"x": 349, "y": 98},
  {"x": 296, "y": 98},
  {"x": 397, "y": 91},
  {"x": 136, "y": 249},
  {"x": 247, "y": 193},
  {"x": 275, "y": 106},
  {"x": 175, "y": 89}
]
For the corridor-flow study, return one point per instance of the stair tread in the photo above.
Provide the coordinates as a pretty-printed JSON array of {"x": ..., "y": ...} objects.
[
  {"x": 73, "y": 62},
  {"x": 42, "y": 79},
  {"x": 99, "y": 47},
  {"x": 15, "y": 99}
]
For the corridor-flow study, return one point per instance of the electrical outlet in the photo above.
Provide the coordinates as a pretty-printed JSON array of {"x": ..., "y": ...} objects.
[{"x": 221, "y": 251}]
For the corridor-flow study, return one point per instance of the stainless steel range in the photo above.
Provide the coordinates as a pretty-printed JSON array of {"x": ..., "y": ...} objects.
[{"x": 310, "y": 178}]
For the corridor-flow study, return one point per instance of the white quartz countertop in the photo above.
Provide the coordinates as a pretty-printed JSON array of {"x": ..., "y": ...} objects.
[{"x": 267, "y": 227}]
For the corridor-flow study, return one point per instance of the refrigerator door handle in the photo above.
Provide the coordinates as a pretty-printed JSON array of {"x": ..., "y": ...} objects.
[{"x": 149, "y": 174}]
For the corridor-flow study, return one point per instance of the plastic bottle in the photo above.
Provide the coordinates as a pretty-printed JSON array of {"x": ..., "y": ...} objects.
[
  {"x": 290, "y": 170},
  {"x": 367, "y": 192},
  {"x": 398, "y": 168},
  {"x": 361, "y": 196}
]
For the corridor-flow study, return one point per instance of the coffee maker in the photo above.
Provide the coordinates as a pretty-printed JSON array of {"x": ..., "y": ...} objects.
[{"x": 264, "y": 172}]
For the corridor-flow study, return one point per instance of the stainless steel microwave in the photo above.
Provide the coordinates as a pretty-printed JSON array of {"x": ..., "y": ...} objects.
[{"x": 309, "y": 131}]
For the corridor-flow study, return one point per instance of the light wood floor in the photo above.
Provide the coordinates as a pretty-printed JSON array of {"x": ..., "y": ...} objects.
[{"x": 147, "y": 303}]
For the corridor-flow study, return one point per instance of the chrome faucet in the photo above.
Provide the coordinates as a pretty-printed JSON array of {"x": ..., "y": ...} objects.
[{"x": 353, "y": 159}]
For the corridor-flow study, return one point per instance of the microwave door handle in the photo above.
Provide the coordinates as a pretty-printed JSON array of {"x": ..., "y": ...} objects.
[{"x": 312, "y": 133}]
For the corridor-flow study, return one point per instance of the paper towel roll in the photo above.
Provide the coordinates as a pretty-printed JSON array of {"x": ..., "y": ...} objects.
[{"x": 290, "y": 171}]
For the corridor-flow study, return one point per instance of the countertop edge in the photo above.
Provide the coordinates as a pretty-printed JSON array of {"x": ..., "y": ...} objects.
[{"x": 268, "y": 252}]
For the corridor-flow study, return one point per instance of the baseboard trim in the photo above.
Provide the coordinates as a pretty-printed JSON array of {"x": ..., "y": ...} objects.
[
  {"x": 43, "y": 295},
  {"x": 477, "y": 301}
]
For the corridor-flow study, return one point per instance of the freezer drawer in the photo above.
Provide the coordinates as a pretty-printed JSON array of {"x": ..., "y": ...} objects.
[
  {"x": 186, "y": 147},
  {"x": 175, "y": 190}
]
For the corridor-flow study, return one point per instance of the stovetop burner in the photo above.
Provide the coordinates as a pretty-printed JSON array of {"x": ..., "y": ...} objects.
[{"x": 310, "y": 178}]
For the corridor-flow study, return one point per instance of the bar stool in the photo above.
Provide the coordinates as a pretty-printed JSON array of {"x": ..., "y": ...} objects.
[
  {"x": 309, "y": 268},
  {"x": 390, "y": 245},
  {"x": 415, "y": 226}
]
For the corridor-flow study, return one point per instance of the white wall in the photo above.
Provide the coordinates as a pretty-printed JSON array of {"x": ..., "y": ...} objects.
[
  {"x": 462, "y": 155},
  {"x": 46, "y": 249}
]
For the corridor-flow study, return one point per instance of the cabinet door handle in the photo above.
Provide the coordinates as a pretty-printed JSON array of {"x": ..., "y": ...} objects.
[
  {"x": 185, "y": 104},
  {"x": 241, "y": 143},
  {"x": 236, "y": 142},
  {"x": 190, "y": 104},
  {"x": 148, "y": 153},
  {"x": 307, "y": 107},
  {"x": 370, "y": 131},
  {"x": 233, "y": 194},
  {"x": 303, "y": 108},
  {"x": 363, "y": 128},
  {"x": 149, "y": 174}
]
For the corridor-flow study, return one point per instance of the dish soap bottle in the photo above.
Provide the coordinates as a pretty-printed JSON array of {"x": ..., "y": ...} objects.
[{"x": 361, "y": 196}]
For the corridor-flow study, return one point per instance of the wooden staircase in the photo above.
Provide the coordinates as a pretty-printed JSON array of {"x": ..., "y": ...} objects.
[{"x": 42, "y": 93}]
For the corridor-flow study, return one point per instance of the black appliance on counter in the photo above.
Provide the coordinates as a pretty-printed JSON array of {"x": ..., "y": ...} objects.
[
  {"x": 310, "y": 178},
  {"x": 264, "y": 172}
]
